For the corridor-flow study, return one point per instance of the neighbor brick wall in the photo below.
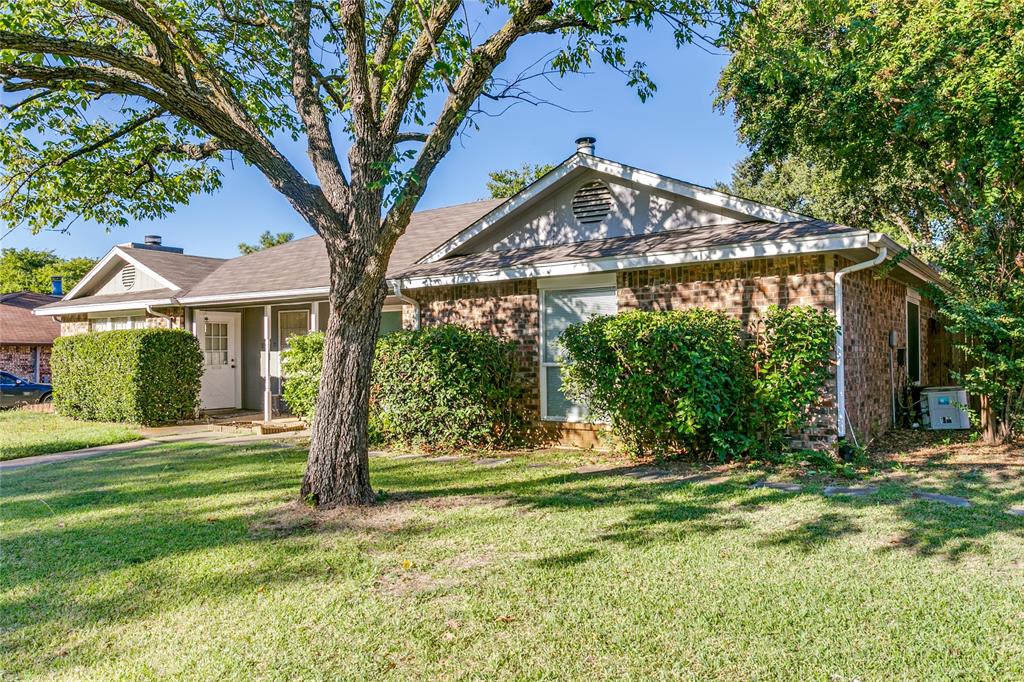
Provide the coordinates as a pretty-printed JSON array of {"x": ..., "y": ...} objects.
[
  {"x": 21, "y": 361},
  {"x": 745, "y": 290}
]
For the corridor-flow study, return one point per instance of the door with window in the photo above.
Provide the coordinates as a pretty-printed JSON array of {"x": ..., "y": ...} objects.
[
  {"x": 218, "y": 337},
  {"x": 561, "y": 307}
]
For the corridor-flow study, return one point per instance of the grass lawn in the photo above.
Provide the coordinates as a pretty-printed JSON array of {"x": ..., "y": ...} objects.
[
  {"x": 193, "y": 561},
  {"x": 23, "y": 434}
]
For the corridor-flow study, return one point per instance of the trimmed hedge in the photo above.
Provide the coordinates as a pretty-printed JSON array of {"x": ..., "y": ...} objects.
[
  {"x": 141, "y": 376},
  {"x": 439, "y": 387},
  {"x": 669, "y": 381}
]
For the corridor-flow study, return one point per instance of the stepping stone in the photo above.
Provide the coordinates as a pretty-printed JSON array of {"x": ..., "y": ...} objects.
[
  {"x": 944, "y": 499},
  {"x": 645, "y": 475},
  {"x": 491, "y": 461},
  {"x": 785, "y": 487},
  {"x": 1016, "y": 511},
  {"x": 445, "y": 459},
  {"x": 595, "y": 468},
  {"x": 853, "y": 491},
  {"x": 411, "y": 456}
]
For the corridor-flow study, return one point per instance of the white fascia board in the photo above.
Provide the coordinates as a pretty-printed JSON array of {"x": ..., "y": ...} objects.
[
  {"x": 624, "y": 172},
  {"x": 116, "y": 252},
  {"x": 514, "y": 203},
  {"x": 704, "y": 195},
  {"x": 743, "y": 251},
  {"x": 917, "y": 267},
  {"x": 103, "y": 307},
  {"x": 255, "y": 296}
]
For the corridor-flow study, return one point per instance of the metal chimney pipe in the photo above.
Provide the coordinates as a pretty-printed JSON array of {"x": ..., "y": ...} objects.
[
  {"x": 152, "y": 240},
  {"x": 585, "y": 145}
]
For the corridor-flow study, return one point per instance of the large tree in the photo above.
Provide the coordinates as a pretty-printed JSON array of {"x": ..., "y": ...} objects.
[
  {"x": 919, "y": 103},
  {"x": 511, "y": 181},
  {"x": 32, "y": 270},
  {"x": 125, "y": 105},
  {"x": 267, "y": 240}
]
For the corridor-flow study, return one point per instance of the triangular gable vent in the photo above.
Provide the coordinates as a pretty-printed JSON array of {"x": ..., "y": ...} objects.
[
  {"x": 592, "y": 202},
  {"x": 128, "y": 276}
]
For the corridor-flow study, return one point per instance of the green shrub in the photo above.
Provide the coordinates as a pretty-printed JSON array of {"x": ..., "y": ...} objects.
[
  {"x": 669, "y": 382},
  {"x": 439, "y": 387},
  {"x": 300, "y": 364},
  {"x": 142, "y": 376},
  {"x": 792, "y": 361}
]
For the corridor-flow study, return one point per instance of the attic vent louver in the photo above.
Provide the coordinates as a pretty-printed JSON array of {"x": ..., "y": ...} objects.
[
  {"x": 592, "y": 202},
  {"x": 128, "y": 276}
]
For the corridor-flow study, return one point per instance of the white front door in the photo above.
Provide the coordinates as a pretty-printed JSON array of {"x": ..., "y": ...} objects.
[{"x": 218, "y": 336}]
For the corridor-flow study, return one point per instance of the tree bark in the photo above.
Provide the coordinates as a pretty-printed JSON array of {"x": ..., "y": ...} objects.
[{"x": 338, "y": 469}]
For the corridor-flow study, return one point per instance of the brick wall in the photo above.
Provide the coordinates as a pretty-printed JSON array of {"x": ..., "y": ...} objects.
[
  {"x": 508, "y": 310},
  {"x": 744, "y": 289},
  {"x": 21, "y": 361}
]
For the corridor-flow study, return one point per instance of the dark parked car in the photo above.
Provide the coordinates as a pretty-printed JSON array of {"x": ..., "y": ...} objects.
[{"x": 15, "y": 391}]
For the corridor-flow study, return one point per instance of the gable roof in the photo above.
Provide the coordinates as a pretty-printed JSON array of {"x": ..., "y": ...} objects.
[
  {"x": 301, "y": 267},
  {"x": 19, "y": 326},
  {"x": 175, "y": 270},
  {"x": 579, "y": 163},
  {"x": 709, "y": 242}
]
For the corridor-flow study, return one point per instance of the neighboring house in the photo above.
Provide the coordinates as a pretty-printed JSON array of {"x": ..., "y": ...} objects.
[
  {"x": 591, "y": 236},
  {"x": 25, "y": 339}
]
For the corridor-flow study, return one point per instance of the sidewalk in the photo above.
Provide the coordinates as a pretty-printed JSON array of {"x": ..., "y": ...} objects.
[{"x": 198, "y": 433}]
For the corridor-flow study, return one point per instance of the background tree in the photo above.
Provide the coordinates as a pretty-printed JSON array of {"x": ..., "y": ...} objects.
[
  {"x": 125, "y": 105},
  {"x": 510, "y": 181},
  {"x": 267, "y": 240},
  {"x": 31, "y": 270},
  {"x": 921, "y": 103}
]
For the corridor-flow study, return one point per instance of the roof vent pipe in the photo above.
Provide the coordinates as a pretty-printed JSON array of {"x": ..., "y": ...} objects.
[
  {"x": 152, "y": 240},
  {"x": 585, "y": 145}
]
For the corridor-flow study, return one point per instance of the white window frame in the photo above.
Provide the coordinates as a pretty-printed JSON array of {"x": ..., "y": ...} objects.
[
  {"x": 133, "y": 316},
  {"x": 544, "y": 285},
  {"x": 280, "y": 336}
]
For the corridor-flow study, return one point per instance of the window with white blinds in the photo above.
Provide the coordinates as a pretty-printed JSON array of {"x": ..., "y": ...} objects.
[{"x": 559, "y": 309}]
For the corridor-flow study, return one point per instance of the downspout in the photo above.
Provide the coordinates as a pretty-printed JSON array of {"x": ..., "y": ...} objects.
[
  {"x": 396, "y": 291},
  {"x": 841, "y": 415},
  {"x": 149, "y": 309}
]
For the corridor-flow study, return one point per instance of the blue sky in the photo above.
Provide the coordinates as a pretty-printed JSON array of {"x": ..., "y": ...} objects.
[{"x": 677, "y": 132}]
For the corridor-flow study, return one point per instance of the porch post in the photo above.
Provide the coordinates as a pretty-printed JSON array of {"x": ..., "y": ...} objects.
[
  {"x": 267, "y": 396},
  {"x": 38, "y": 353},
  {"x": 313, "y": 308}
]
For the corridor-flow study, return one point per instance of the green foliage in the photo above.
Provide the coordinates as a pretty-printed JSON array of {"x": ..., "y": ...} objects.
[
  {"x": 267, "y": 240},
  {"x": 438, "y": 387},
  {"x": 669, "y": 382},
  {"x": 301, "y": 362},
  {"x": 31, "y": 270},
  {"x": 141, "y": 376},
  {"x": 510, "y": 181},
  {"x": 919, "y": 103},
  {"x": 792, "y": 361}
]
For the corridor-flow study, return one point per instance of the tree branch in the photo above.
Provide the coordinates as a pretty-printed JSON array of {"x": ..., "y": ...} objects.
[
  {"x": 386, "y": 37},
  {"x": 134, "y": 13}
]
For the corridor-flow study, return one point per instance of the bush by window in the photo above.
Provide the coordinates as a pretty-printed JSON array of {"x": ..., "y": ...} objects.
[{"x": 142, "y": 376}]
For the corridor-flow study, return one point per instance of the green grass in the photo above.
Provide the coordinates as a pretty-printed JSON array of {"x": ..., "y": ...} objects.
[
  {"x": 192, "y": 561},
  {"x": 23, "y": 434}
]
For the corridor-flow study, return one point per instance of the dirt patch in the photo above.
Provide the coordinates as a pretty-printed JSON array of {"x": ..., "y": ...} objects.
[
  {"x": 288, "y": 519},
  {"x": 295, "y": 517},
  {"x": 405, "y": 581},
  {"x": 936, "y": 448}
]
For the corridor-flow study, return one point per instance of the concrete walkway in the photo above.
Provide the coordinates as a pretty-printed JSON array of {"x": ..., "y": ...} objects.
[{"x": 193, "y": 433}]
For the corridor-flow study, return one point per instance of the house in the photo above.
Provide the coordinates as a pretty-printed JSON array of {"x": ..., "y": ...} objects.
[
  {"x": 25, "y": 339},
  {"x": 591, "y": 236}
]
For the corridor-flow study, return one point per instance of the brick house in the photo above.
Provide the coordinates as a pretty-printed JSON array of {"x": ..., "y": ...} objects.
[
  {"x": 591, "y": 236},
  {"x": 26, "y": 340}
]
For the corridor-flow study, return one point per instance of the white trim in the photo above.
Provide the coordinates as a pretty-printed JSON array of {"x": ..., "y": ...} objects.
[
  {"x": 542, "y": 365},
  {"x": 906, "y": 330},
  {"x": 99, "y": 307},
  {"x": 744, "y": 250},
  {"x": 594, "y": 281},
  {"x": 236, "y": 326},
  {"x": 124, "y": 255},
  {"x": 913, "y": 295},
  {"x": 392, "y": 308},
  {"x": 127, "y": 312},
  {"x": 628, "y": 173},
  {"x": 268, "y": 396},
  {"x": 255, "y": 295}
]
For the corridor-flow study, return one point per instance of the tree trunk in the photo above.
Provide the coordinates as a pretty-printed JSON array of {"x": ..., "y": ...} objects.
[
  {"x": 338, "y": 469},
  {"x": 995, "y": 421}
]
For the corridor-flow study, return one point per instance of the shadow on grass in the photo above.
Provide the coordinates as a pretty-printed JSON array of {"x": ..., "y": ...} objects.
[{"x": 130, "y": 512}]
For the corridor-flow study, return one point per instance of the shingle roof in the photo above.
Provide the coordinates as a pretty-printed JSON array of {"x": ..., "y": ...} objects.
[
  {"x": 181, "y": 269},
  {"x": 19, "y": 326},
  {"x": 669, "y": 241},
  {"x": 302, "y": 264}
]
